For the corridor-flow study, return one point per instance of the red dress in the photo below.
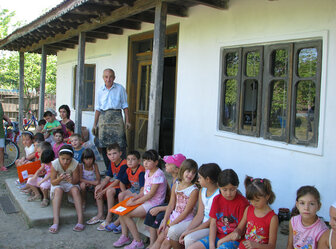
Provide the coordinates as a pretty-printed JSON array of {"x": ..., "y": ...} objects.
[{"x": 257, "y": 229}]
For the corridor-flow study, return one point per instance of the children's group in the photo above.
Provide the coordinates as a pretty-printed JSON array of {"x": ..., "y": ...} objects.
[{"x": 200, "y": 208}]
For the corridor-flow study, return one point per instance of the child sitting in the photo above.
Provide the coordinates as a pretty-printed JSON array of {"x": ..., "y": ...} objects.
[
  {"x": 76, "y": 143},
  {"x": 58, "y": 139},
  {"x": 70, "y": 128},
  {"x": 51, "y": 125},
  {"x": 28, "y": 142},
  {"x": 328, "y": 239},
  {"x": 89, "y": 176},
  {"x": 39, "y": 149},
  {"x": 226, "y": 212},
  {"x": 153, "y": 194},
  {"x": 199, "y": 227},
  {"x": 259, "y": 222},
  {"x": 181, "y": 207},
  {"x": 155, "y": 215},
  {"x": 42, "y": 182},
  {"x": 110, "y": 189},
  {"x": 306, "y": 228},
  {"x": 40, "y": 125},
  {"x": 65, "y": 178},
  {"x": 136, "y": 178}
]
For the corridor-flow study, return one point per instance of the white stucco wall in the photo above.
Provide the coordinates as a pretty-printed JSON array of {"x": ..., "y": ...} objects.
[
  {"x": 196, "y": 132},
  {"x": 201, "y": 37}
]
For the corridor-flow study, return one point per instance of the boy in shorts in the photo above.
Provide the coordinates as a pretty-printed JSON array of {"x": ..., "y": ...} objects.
[{"x": 109, "y": 187}]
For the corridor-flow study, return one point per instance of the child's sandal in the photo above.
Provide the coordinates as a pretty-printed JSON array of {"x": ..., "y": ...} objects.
[
  {"x": 34, "y": 198},
  {"x": 53, "y": 229}
]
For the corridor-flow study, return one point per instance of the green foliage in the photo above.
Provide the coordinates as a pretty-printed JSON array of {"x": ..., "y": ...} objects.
[{"x": 9, "y": 64}]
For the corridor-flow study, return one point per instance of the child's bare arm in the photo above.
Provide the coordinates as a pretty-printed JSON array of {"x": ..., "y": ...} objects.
[
  {"x": 290, "y": 237},
  {"x": 238, "y": 232},
  {"x": 212, "y": 233},
  {"x": 30, "y": 157},
  {"x": 188, "y": 209},
  {"x": 323, "y": 242}
]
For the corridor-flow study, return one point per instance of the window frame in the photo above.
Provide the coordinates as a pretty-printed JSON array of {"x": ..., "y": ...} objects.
[
  {"x": 264, "y": 90},
  {"x": 85, "y": 81}
]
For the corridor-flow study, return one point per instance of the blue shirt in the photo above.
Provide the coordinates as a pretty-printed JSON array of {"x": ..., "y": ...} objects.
[
  {"x": 78, "y": 154},
  {"x": 113, "y": 98}
]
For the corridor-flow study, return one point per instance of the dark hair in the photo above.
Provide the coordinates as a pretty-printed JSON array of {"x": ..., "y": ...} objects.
[
  {"x": 304, "y": 190},
  {"x": 77, "y": 136},
  {"x": 38, "y": 137},
  {"x": 228, "y": 176},
  {"x": 210, "y": 170},
  {"x": 47, "y": 156},
  {"x": 44, "y": 146},
  {"x": 28, "y": 134},
  {"x": 59, "y": 131},
  {"x": 189, "y": 165},
  {"x": 151, "y": 155},
  {"x": 66, "y": 150},
  {"x": 47, "y": 114},
  {"x": 88, "y": 153},
  {"x": 70, "y": 126},
  {"x": 256, "y": 187},
  {"x": 134, "y": 153},
  {"x": 66, "y": 108},
  {"x": 42, "y": 122},
  {"x": 114, "y": 146}
]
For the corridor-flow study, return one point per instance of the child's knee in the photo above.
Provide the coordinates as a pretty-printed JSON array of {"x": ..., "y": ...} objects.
[
  {"x": 110, "y": 192},
  {"x": 82, "y": 186}
]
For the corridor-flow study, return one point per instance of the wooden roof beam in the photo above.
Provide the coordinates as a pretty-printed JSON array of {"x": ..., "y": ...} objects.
[
  {"x": 99, "y": 35},
  {"x": 109, "y": 30},
  {"x": 177, "y": 10},
  {"x": 143, "y": 17},
  {"x": 95, "y": 8},
  {"x": 71, "y": 17},
  {"x": 53, "y": 46},
  {"x": 62, "y": 44},
  {"x": 75, "y": 39},
  {"x": 126, "y": 24},
  {"x": 117, "y": 15}
]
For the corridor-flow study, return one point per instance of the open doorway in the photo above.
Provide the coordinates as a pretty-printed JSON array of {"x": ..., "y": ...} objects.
[{"x": 138, "y": 89}]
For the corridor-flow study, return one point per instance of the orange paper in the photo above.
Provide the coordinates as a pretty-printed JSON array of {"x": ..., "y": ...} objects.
[
  {"x": 121, "y": 208},
  {"x": 27, "y": 169}
]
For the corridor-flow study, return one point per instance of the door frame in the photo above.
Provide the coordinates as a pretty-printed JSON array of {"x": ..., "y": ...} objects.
[{"x": 134, "y": 59}]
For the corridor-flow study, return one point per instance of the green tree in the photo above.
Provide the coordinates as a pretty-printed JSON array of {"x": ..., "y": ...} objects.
[{"x": 9, "y": 64}]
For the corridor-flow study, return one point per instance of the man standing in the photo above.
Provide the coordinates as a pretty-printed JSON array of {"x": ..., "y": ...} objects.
[{"x": 111, "y": 99}]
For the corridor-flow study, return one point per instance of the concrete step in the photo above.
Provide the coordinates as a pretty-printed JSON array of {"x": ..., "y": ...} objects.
[{"x": 35, "y": 215}]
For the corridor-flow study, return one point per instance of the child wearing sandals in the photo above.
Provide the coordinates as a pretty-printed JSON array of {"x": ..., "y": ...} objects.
[
  {"x": 65, "y": 178},
  {"x": 135, "y": 179},
  {"x": 110, "y": 187},
  {"x": 43, "y": 183},
  {"x": 89, "y": 175},
  {"x": 181, "y": 208},
  {"x": 328, "y": 239},
  {"x": 156, "y": 214},
  {"x": 199, "y": 227},
  {"x": 153, "y": 194}
]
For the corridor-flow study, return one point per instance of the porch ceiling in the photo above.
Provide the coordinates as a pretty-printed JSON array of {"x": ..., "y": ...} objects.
[{"x": 59, "y": 28}]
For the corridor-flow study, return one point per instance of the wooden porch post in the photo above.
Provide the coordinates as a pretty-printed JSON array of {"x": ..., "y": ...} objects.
[
  {"x": 79, "y": 99},
  {"x": 21, "y": 90},
  {"x": 42, "y": 81},
  {"x": 155, "y": 97}
]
